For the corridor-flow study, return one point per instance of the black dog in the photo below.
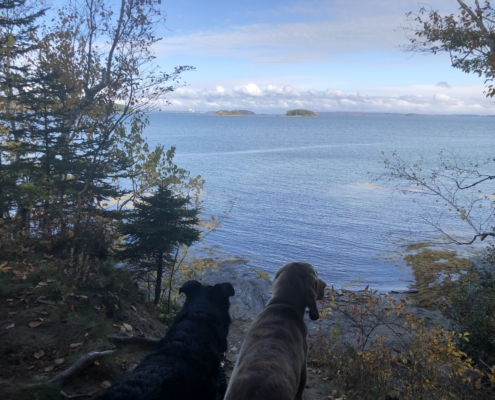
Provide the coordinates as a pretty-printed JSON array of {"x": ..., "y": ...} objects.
[{"x": 186, "y": 363}]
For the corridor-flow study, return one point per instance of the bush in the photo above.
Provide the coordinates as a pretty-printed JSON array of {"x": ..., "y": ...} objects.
[
  {"x": 472, "y": 309},
  {"x": 396, "y": 356}
]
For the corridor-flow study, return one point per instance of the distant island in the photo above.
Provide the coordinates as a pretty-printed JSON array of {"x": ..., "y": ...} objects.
[
  {"x": 234, "y": 112},
  {"x": 300, "y": 113}
]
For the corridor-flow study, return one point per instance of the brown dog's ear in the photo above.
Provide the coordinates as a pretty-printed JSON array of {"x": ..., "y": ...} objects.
[
  {"x": 190, "y": 287},
  {"x": 313, "y": 294},
  {"x": 320, "y": 292},
  {"x": 226, "y": 289},
  {"x": 313, "y": 308}
]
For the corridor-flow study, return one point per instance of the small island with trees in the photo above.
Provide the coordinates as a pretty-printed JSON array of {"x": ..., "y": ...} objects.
[
  {"x": 235, "y": 113},
  {"x": 300, "y": 113}
]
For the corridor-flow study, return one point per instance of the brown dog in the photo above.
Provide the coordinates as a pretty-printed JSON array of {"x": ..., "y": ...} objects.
[{"x": 272, "y": 362}]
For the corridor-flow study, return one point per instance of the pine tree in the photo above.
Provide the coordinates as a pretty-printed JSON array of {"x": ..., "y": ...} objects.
[
  {"x": 155, "y": 229},
  {"x": 17, "y": 40},
  {"x": 72, "y": 114}
]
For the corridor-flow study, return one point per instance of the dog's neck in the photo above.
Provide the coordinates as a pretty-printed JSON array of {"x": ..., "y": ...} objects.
[{"x": 287, "y": 300}]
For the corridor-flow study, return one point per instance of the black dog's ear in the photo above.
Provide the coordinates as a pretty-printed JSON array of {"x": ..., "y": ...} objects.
[
  {"x": 190, "y": 287},
  {"x": 225, "y": 289}
]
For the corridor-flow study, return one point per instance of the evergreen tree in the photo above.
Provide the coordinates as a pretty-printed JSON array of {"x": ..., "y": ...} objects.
[
  {"x": 72, "y": 114},
  {"x": 155, "y": 229},
  {"x": 17, "y": 40}
]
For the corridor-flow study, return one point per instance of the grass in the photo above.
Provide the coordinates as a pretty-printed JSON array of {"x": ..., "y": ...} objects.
[
  {"x": 7, "y": 288},
  {"x": 98, "y": 325}
]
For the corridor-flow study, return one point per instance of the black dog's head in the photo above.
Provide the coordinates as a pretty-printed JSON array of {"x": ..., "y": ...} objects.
[
  {"x": 186, "y": 363},
  {"x": 207, "y": 300}
]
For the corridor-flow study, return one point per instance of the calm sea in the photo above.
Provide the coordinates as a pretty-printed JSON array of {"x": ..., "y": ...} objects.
[{"x": 300, "y": 186}]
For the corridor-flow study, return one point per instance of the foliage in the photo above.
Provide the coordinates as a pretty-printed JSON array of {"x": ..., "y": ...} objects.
[
  {"x": 154, "y": 231},
  {"x": 17, "y": 27},
  {"x": 463, "y": 289},
  {"x": 437, "y": 274},
  {"x": 468, "y": 37},
  {"x": 64, "y": 148},
  {"x": 300, "y": 113},
  {"x": 471, "y": 309},
  {"x": 457, "y": 187},
  {"x": 394, "y": 357}
]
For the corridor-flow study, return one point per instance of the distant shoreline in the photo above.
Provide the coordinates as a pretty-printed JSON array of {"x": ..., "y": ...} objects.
[
  {"x": 349, "y": 113},
  {"x": 403, "y": 114}
]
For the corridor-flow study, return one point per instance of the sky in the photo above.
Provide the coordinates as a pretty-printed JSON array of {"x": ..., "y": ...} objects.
[{"x": 322, "y": 55}]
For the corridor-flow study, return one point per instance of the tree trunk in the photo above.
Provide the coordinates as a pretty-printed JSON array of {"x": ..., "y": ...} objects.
[
  {"x": 159, "y": 274},
  {"x": 172, "y": 272}
]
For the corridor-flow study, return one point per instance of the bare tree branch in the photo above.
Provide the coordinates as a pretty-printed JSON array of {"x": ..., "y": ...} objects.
[
  {"x": 81, "y": 364},
  {"x": 488, "y": 178}
]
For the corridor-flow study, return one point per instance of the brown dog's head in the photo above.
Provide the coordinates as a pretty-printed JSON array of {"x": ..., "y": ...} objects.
[{"x": 305, "y": 277}]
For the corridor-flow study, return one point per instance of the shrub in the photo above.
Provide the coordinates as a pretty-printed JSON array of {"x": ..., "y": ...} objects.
[
  {"x": 472, "y": 309},
  {"x": 395, "y": 355}
]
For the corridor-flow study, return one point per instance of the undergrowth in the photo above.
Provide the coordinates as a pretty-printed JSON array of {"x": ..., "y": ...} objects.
[{"x": 396, "y": 356}]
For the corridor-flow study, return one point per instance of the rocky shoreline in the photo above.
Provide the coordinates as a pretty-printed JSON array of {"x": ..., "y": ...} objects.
[{"x": 253, "y": 291}]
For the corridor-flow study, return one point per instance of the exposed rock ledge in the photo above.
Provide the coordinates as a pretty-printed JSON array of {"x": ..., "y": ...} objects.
[{"x": 251, "y": 291}]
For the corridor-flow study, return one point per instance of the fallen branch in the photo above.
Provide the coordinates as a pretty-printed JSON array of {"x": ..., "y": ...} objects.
[
  {"x": 143, "y": 341},
  {"x": 81, "y": 364},
  {"x": 78, "y": 396}
]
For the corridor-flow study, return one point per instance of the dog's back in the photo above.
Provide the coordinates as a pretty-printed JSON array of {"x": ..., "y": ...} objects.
[
  {"x": 185, "y": 364},
  {"x": 271, "y": 359}
]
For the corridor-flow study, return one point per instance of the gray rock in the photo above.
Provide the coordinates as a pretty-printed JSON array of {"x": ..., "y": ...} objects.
[{"x": 251, "y": 290}]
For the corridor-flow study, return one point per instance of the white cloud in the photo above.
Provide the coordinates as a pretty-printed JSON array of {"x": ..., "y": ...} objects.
[
  {"x": 278, "y": 99},
  {"x": 334, "y": 93},
  {"x": 442, "y": 98},
  {"x": 286, "y": 91},
  {"x": 251, "y": 89}
]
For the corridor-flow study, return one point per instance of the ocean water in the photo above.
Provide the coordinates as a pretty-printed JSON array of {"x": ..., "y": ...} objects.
[{"x": 301, "y": 190}]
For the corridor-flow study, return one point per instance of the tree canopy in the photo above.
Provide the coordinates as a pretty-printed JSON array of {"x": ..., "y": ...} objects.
[
  {"x": 73, "y": 102},
  {"x": 300, "y": 113},
  {"x": 469, "y": 37}
]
